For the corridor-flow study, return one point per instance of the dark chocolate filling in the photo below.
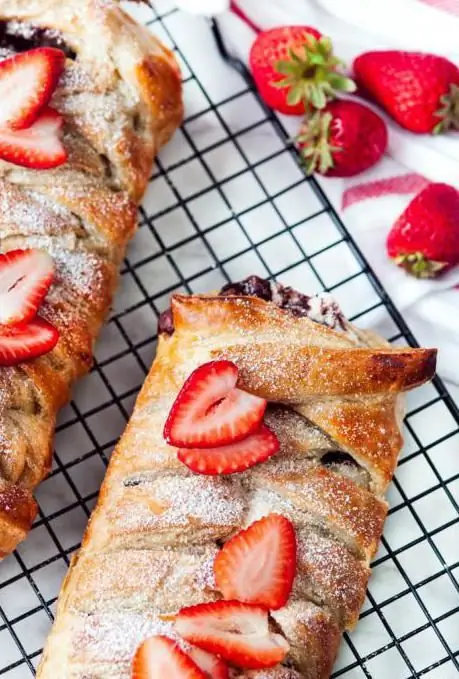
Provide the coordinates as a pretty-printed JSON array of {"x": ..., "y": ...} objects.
[
  {"x": 284, "y": 297},
  {"x": 166, "y": 322},
  {"x": 20, "y": 37},
  {"x": 253, "y": 286},
  {"x": 336, "y": 457}
]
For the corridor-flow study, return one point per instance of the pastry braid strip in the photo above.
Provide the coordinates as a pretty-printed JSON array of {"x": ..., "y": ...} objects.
[
  {"x": 150, "y": 543},
  {"x": 120, "y": 96}
]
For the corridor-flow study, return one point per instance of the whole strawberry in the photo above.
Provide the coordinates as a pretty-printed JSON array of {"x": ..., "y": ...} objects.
[
  {"x": 344, "y": 139},
  {"x": 420, "y": 91},
  {"x": 425, "y": 238},
  {"x": 294, "y": 67}
]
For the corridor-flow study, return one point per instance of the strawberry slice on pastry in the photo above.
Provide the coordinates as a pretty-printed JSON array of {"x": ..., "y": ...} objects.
[
  {"x": 258, "y": 565},
  {"x": 236, "y": 632},
  {"x": 211, "y": 411},
  {"x": 27, "y": 83}
]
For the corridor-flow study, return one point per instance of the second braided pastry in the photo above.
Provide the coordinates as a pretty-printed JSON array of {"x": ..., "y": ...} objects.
[
  {"x": 335, "y": 404},
  {"x": 120, "y": 99}
]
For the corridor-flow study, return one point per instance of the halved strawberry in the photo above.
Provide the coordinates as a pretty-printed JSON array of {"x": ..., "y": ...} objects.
[
  {"x": 210, "y": 411},
  {"x": 38, "y": 147},
  {"x": 160, "y": 657},
  {"x": 258, "y": 565},
  {"x": 213, "y": 667},
  {"x": 27, "y": 82},
  {"x": 234, "y": 457},
  {"x": 237, "y": 632},
  {"x": 25, "y": 341},
  {"x": 25, "y": 277}
]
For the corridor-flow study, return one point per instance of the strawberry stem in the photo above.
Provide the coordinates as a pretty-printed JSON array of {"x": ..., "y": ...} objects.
[
  {"x": 242, "y": 15},
  {"x": 449, "y": 111},
  {"x": 311, "y": 74},
  {"x": 419, "y": 266},
  {"x": 316, "y": 151}
]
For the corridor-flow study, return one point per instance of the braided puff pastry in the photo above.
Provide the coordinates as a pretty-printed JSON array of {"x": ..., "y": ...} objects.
[
  {"x": 120, "y": 96},
  {"x": 335, "y": 404}
]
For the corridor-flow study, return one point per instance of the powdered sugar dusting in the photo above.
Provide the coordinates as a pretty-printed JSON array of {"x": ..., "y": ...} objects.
[
  {"x": 34, "y": 213},
  {"x": 81, "y": 271},
  {"x": 324, "y": 309},
  {"x": 304, "y": 612},
  {"x": 161, "y": 579},
  {"x": 76, "y": 79},
  {"x": 263, "y": 501},
  {"x": 190, "y": 502},
  {"x": 6, "y": 52},
  {"x": 76, "y": 269},
  {"x": 28, "y": 31},
  {"x": 114, "y": 637},
  {"x": 101, "y": 118},
  {"x": 273, "y": 673},
  {"x": 339, "y": 502},
  {"x": 297, "y": 435},
  {"x": 330, "y": 574},
  {"x": 6, "y": 448},
  {"x": 206, "y": 576}
]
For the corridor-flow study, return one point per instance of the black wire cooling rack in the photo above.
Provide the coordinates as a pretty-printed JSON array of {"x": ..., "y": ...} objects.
[{"x": 228, "y": 199}]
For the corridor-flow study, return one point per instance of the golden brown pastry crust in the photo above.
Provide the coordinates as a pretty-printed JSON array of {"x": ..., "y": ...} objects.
[
  {"x": 148, "y": 549},
  {"x": 121, "y": 99}
]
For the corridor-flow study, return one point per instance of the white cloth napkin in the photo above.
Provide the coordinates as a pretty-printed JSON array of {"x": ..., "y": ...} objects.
[{"x": 370, "y": 203}]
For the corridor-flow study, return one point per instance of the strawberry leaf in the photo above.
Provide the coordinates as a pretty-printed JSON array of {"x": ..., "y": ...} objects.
[
  {"x": 313, "y": 70},
  {"x": 448, "y": 113},
  {"x": 419, "y": 266},
  {"x": 316, "y": 150},
  {"x": 295, "y": 94}
]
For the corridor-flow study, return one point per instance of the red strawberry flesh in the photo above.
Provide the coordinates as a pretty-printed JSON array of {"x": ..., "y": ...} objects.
[
  {"x": 258, "y": 565},
  {"x": 237, "y": 632},
  {"x": 38, "y": 147},
  {"x": 233, "y": 457},
  {"x": 25, "y": 341},
  {"x": 161, "y": 658},
  {"x": 27, "y": 83},
  {"x": 211, "y": 411},
  {"x": 25, "y": 278}
]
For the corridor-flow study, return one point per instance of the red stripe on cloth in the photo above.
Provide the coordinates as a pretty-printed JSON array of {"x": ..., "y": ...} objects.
[
  {"x": 242, "y": 15},
  {"x": 449, "y": 6},
  {"x": 406, "y": 183}
]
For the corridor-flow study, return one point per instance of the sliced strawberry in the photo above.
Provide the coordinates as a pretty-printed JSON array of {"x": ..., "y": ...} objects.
[
  {"x": 25, "y": 341},
  {"x": 210, "y": 411},
  {"x": 160, "y": 657},
  {"x": 257, "y": 566},
  {"x": 237, "y": 632},
  {"x": 25, "y": 277},
  {"x": 38, "y": 147},
  {"x": 212, "y": 666},
  {"x": 27, "y": 82},
  {"x": 232, "y": 458}
]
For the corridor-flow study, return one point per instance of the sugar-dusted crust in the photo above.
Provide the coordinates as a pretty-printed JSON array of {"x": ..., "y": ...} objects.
[
  {"x": 121, "y": 99},
  {"x": 149, "y": 546}
]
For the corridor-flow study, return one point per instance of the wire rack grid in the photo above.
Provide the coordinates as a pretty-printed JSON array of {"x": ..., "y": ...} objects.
[{"x": 228, "y": 199}]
